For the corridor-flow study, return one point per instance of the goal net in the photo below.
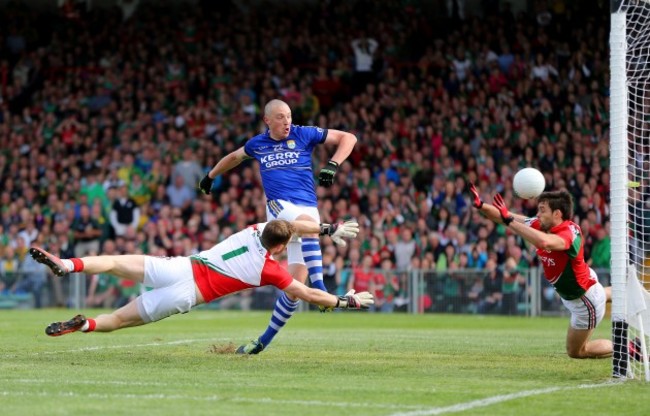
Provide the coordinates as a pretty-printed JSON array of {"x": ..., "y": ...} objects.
[{"x": 630, "y": 186}]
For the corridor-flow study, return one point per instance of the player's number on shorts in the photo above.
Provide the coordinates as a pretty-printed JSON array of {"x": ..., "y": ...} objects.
[{"x": 234, "y": 253}]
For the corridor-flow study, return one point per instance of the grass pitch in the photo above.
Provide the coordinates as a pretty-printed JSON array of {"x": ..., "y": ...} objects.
[{"x": 321, "y": 364}]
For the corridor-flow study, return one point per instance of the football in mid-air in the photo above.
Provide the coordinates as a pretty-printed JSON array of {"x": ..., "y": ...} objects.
[{"x": 528, "y": 183}]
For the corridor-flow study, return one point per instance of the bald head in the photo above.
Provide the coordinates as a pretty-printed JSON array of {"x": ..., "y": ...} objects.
[
  {"x": 275, "y": 105},
  {"x": 277, "y": 115}
]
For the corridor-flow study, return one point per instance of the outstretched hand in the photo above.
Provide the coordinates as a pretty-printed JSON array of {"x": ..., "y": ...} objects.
[
  {"x": 347, "y": 229},
  {"x": 500, "y": 204},
  {"x": 325, "y": 309},
  {"x": 205, "y": 185},
  {"x": 478, "y": 202},
  {"x": 361, "y": 300}
]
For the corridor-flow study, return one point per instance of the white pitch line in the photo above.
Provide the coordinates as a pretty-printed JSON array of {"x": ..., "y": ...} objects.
[
  {"x": 265, "y": 400},
  {"x": 161, "y": 396},
  {"x": 461, "y": 407}
]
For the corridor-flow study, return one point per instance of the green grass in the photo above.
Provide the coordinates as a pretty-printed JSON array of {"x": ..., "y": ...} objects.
[{"x": 339, "y": 363}]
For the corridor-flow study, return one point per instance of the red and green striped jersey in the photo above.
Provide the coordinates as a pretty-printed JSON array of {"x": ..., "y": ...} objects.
[{"x": 566, "y": 270}]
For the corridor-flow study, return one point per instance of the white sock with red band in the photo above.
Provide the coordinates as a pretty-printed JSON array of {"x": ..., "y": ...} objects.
[
  {"x": 68, "y": 264},
  {"x": 89, "y": 326},
  {"x": 73, "y": 265}
]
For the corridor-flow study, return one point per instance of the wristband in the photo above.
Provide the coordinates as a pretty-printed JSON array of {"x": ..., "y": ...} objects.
[{"x": 325, "y": 229}]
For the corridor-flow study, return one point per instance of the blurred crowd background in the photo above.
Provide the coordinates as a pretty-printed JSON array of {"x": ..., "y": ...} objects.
[{"x": 110, "y": 117}]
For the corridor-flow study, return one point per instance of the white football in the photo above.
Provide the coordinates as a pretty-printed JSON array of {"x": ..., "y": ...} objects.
[{"x": 528, "y": 183}]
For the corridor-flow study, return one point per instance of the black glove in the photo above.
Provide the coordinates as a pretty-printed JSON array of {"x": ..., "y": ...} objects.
[
  {"x": 206, "y": 185},
  {"x": 326, "y": 175}
]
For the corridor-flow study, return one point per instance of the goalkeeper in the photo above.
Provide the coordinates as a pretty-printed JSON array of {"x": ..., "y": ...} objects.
[
  {"x": 559, "y": 244},
  {"x": 284, "y": 155},
  {"x": 242, "y": 261}
]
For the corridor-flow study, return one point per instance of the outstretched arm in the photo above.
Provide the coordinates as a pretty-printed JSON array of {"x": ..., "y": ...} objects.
[
  {"x": 541, "y": 240},
  {"x": 493, "y": 214},
  {"x": 489, "y": 210},
  {"x": 351, "y": 301},
  {"x": 228, "y": 162},
  {"x": 306, "y": 227},
  {"x": 339, "y": 231}
]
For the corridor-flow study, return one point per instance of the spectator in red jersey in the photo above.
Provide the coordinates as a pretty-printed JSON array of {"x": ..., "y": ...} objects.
[
  {"x": 363, "y": 276},
  {"x": 386, "y": 287}
]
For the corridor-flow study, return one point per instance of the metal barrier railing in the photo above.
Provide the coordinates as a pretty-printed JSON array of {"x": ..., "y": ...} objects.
[{"x": 471, "y": 291}]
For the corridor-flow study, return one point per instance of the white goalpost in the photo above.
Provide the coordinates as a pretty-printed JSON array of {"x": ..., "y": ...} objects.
[{"x": 630, "y": 186}]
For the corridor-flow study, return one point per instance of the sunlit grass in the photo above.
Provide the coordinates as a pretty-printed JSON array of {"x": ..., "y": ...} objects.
[{"x": 321, "y": 364}]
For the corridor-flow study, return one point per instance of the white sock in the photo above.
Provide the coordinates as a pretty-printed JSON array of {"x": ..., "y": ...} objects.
[{"x": 68, "y": 264}]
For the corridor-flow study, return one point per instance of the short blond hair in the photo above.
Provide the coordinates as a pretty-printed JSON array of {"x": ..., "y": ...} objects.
[{"x": 268, "y": 108}]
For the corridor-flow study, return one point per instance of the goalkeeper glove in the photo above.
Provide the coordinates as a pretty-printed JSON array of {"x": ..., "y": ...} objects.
[
  {"x": 326, "y": 175},
  {"x": 205, "y": 185},
  {"x": 478, "y": 202},
  {"x": 500, "y": 204},
  {"x": 347, "y": 229},
  {"x": 325, "y": 309},
  {"x": 361, "y": 300}
]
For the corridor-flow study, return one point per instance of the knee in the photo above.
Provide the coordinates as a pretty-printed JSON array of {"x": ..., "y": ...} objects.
[
  {"x": 305, "y": 217},
  {"x": 298, "y": 272},
  {"x": 575, "y": 353}
]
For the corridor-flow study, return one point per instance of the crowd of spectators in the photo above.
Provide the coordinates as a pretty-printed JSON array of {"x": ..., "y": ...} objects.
[{"x": 108, "y": 123}]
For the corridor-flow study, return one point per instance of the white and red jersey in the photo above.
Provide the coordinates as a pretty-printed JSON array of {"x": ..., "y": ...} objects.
[{"x": 237, "y": 263}]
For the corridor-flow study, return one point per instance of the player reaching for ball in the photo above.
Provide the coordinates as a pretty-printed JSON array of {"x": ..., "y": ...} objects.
[
  {"x": 284, "y": 155},
  {"x": 559, "y": 242},
  {"x": 242, "y": 261}
]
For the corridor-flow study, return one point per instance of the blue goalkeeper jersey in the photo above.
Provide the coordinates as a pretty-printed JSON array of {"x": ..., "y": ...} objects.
[{"x": 285, "y": 165}]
